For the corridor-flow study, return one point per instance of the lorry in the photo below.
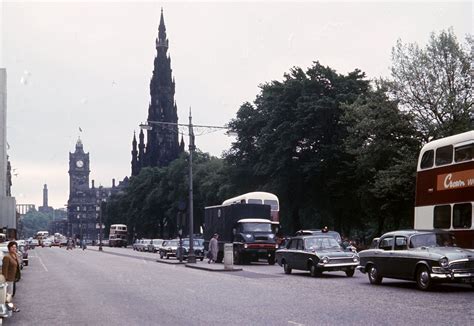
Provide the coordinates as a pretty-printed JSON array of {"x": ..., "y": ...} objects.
[{"x": 247, "y": 226}]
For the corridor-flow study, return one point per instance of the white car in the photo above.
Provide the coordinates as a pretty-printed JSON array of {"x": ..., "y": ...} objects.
[{"x": 47, "y": 243}]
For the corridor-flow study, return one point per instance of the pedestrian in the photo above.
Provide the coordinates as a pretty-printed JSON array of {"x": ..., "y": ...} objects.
[
  {"x": 11, "y": 269},
  {"x": 213, "y": 248}
]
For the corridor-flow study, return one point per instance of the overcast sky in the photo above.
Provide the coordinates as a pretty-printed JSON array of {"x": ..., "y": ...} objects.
[{"x": 88, "y": 65}]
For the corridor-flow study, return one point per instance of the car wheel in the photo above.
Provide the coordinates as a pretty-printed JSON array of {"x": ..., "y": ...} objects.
[
  {"x": 202, "y": 258},
  {"x": 374, "y": 275},
  {"x": 167, "y": 257},
  {"x": 423, "y": 278},
  {"x": 350, "y": 272},
  {"x": 271, "y": 260},
  {"x": 286, "y": 268},
  {"x": 161, "y": 255},
  {"x": 313, "y": 270}
]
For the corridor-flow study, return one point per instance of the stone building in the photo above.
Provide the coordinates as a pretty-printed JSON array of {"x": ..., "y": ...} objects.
[
  {"x": 162, "y": 140},
  {"x": 83, "y": 207},
  {"x": 8, "y": 218}
]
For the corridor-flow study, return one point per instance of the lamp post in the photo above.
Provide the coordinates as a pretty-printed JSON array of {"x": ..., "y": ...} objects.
[
  {"x": 192, "y": 147},
  {"x": 100, "y": 223}
]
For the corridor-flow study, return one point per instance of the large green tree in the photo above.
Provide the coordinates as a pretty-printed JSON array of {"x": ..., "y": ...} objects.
[
  {"x": 434, "y": 83},
  {"x": 385, "y": 144},
  {"x": 290, "y": 142}
]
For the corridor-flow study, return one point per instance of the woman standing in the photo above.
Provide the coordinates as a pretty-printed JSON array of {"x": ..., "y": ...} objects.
[{"x": 11, "y": 269}]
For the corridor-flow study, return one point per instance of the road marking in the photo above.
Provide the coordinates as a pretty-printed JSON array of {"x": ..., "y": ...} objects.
[
  {"x": 145, "y": 261},
  {"x": 41, "y": 261},
  {"x": 294, "y": 323}
]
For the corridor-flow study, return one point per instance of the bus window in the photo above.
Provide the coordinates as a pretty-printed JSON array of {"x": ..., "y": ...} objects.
[
  {"x": 272, "y": 203},
  {"x": 427, "y": 159},
  {"x": 442, "y": 217},
  {"x": 462, "y": 216},
  {"x": 254, "y": 201},
  {"x": 464, "y": 153},
  {"x": 444, "y": 155}
]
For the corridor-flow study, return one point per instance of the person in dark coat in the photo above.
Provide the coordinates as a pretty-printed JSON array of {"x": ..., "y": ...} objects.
[{"x": 11, "y": 268}]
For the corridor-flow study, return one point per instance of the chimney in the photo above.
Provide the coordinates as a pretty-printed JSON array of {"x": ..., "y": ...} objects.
[
  {"x": 113, "y": 183},
  {"x": 93, "y": 184}
]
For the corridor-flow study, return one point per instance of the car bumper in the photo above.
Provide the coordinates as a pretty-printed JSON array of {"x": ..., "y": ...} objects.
[
  {"x": 337, "y": 267},
  {"x": 466, "y": 277}
]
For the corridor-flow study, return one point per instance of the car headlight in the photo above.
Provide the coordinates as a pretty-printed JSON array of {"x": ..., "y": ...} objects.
[
  {"x": 248, "y": 235},
  {"x": 355, "y": 258},
  {"x": 444, "y": 262},
  {"x": 271, "y": 236},
  {"x": 325, "y": 260}
]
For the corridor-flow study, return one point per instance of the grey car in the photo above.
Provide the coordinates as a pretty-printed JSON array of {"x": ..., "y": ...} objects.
[{"x": 426, "y": 257}]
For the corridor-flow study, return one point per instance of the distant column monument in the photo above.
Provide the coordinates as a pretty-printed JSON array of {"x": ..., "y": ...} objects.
[{"x": 45, "y": 208}]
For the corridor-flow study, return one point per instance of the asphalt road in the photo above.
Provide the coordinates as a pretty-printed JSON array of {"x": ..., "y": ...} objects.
[{"x": 88, "y": 287}]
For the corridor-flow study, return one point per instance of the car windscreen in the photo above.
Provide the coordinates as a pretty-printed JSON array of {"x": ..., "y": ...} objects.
[
  {"x": 186, "y": 243},
  {"x": 256, "y": 227},
  {"x": 433, "y": 240},
  {"x": 320, "y": 243},
  {"x": 172, "y": 243}
]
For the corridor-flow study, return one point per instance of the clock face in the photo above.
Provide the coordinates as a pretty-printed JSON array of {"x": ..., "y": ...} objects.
[{"x": 79, "y": 164}]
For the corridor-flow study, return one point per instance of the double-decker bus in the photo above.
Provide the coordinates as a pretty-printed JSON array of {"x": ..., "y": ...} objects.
[
  {"x": 445, "y": 187},
  {"x": 118, "y": 235},
  {"x": 258, "y": 197}
]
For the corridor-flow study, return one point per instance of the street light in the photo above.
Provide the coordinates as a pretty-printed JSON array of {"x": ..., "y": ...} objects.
[
  {"x": 100, "y": 223},
  {"x": 192, "y": 147}
]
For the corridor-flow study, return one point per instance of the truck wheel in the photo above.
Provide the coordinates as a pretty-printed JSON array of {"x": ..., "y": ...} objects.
[
  {"x": 237, "y": 257},
  {"x": 220, "y": 257}
]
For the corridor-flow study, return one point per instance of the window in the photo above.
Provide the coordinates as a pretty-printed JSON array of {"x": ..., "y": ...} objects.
[
  {"x": 400, "y": 243},
  {"x": 444, "y": 155},
  {"x": 442, "y": 217},
  {"x": 386, "y": 243},
  {"x": 464, "y": 153},
  {"x": 462, "y": 216},
  {"x": 292, "y": 244},
  {"x": 427, "y": 159},
  {"x": 300, "y": 244},
  {"x": 254, "y": 201}
]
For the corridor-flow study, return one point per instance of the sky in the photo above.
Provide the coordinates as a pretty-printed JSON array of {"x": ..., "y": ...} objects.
[{"x": 88, "y": 65}]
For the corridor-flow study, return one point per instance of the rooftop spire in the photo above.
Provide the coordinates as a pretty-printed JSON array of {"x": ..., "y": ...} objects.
[{"x": 162, "y": 40}]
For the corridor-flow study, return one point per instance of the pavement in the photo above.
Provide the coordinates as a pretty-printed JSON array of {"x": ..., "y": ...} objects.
[{"x": 202, "y": 265}]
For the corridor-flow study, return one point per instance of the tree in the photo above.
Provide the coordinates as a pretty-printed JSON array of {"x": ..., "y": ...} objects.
[
  {"x": 434, "y": 83},
  {"x": 385, "y": 144},
  {"x": 290, "y": 143}
]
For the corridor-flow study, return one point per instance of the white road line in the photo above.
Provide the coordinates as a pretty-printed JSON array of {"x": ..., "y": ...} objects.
[
  {"x": 41, "y": 261},
  {"x": 294, "y": 323}
]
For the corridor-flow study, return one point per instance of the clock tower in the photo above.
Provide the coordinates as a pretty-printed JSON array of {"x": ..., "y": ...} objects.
[{"x": 78, "y": 170}]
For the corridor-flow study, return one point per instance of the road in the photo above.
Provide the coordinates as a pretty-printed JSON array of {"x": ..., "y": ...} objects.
[{"x": 123, "y": 287}]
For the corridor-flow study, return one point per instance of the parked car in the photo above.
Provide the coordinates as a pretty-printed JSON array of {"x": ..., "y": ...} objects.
[
  {"x": 155, "y": 245},
  {"x": 23, "y": 249},
  {"x": 33, "y": 243},
  {"x": 426, "y": 257},
  {"x": 316, "y": 254},
  {"x": 136, "y": 244},
  {"x": 198, "y": 247},
  {"x": 169, "y": 248}
]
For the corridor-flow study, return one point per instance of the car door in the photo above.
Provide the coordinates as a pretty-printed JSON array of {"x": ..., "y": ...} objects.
[
  {"x": 291, "y": 252},
  {"x": 382, "y": 257},
  {"x": 400, "y": 262},
  {"x": 299, "y": 256}
]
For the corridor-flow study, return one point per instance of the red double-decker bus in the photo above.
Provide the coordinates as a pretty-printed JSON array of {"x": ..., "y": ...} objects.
[{"x": 445, "y": 187}]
